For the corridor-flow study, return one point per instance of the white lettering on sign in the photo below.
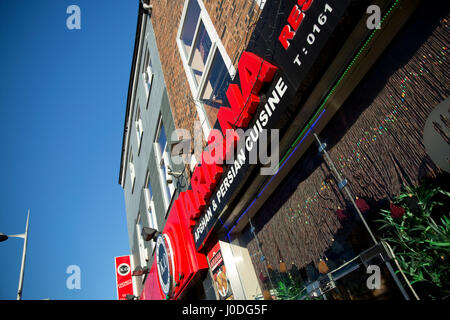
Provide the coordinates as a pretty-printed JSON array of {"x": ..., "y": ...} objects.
[
  {"x": 124, "y": 284},
  {"x": 254, "y": 135}
]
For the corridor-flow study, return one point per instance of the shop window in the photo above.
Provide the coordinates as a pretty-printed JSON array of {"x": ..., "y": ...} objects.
[
  {"x": 207, "y": 65},
  {"x": 139, "y": 127},
  {"x": 163, "y": 161},
  {"x": 147, "y": 71}
]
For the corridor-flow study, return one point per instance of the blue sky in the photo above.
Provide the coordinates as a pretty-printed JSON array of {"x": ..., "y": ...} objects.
[{"x": 62, "y": 107}]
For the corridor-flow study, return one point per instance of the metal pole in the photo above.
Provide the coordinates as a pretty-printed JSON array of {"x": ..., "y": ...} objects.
[
  {"x": 22, "y": 268},
  {"x": 252, "y": 229},
  {"x": 346, "y": 189},
  {"x": 397, "y": 281},
  {"x": 350, "y": 196}
]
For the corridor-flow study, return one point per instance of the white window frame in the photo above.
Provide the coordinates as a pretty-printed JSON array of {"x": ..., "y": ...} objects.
[
  {"x": 216, "y": 44},
  {"x": 139, "y": 127},
  {"x": 163, "y": 159},
  {"x": 143, "y": 252},
  {"x": 132, "y": 170},
  {"x": 150, "y": 204},
  {"x": 260, "y": 3},
  {"x": 147, "y": 73}
]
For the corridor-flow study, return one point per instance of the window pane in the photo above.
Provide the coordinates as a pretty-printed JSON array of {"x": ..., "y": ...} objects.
[
  {"x": 148, "y": 77},
  {"x": 138, "y": 122},
  {"x": 214, "y": 94},
  {"x": 190, "y": 22},
  {"x": 201, "y": 51},
  {"x": 148, "y": 70},
  {"x": 139, "y": 222},
  {"x": 162, "y": 139},
  {"x": 149, "y": 187},
  {"x": 148, "y": 63},
  {"x": 166, "y": 185}
]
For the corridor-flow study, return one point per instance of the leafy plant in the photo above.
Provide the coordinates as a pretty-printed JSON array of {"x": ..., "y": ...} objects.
[
  {"x": 420, "y": 237},
  {"x": 288, "y": 289}
]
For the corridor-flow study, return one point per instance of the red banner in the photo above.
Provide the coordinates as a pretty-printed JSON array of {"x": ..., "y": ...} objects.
[{"x": 124, "y": 282}]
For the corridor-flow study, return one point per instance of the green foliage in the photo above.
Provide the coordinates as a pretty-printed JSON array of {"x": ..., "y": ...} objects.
[
  {"x": 289, "y": 289},
  {"x": 421, "y": 238}
]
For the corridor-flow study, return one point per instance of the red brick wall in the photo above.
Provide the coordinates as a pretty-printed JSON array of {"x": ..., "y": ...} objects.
[
  {"x": 234, "y": 21},
  {"x": 166, "y": 15}
]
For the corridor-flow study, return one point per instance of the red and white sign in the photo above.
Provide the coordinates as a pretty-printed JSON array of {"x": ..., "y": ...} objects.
[
  {"x": 215, "y": 257},
  {"x": 186, "y": 264},
  {"x": 219, "y": 273},
  {"x": 124, "y": 282}
]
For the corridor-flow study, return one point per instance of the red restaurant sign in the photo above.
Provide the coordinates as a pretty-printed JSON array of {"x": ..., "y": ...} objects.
[
  {"x": 253, "y": 73},
  {"x": 176, "y": 262}
]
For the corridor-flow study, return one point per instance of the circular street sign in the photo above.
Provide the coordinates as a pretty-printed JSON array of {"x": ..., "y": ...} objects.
[{"x": 165, "y": 263}]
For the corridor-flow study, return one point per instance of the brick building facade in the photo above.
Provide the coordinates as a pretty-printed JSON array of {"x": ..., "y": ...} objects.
[
  {"x": 233, "y": 21},
  {"x": 310, "y": 223}
]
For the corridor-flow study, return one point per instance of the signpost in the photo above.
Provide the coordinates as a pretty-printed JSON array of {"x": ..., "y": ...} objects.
[{"x": 124, "y": 281}]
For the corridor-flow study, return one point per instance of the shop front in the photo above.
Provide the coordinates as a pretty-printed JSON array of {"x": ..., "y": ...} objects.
[
  {"x": 351, "y": 146},
  {"x": 352, "y": 105}
]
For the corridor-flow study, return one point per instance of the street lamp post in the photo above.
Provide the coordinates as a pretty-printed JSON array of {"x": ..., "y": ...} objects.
[{"x": 4, "y": 237}]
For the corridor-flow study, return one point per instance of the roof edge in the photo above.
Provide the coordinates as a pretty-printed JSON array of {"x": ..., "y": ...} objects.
[{"x": 130, "y": 89}]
